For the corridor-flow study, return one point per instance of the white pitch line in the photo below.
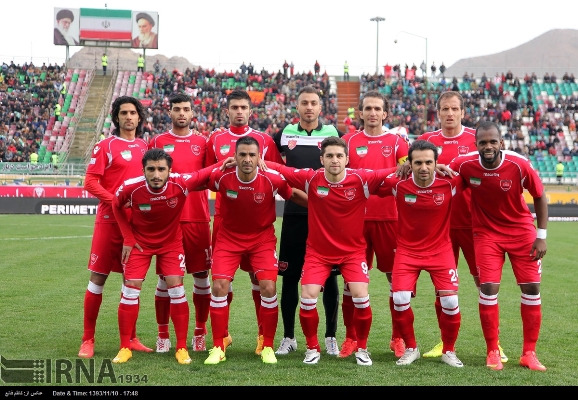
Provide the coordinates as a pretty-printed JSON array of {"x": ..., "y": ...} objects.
[{"x": 49, "y": 238}]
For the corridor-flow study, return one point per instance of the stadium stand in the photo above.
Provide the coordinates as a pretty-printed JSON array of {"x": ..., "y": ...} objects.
[{"x": 536, "y": 115}]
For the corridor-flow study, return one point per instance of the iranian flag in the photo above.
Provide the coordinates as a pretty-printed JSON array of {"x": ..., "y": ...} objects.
[{"x": 105, "y": 24}]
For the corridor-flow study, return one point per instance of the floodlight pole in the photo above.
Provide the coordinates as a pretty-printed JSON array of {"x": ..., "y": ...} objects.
[{"x": 377, "y": 20}]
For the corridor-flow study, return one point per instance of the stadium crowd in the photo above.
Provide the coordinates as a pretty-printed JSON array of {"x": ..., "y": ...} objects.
[{"x": 28, "y": 94}]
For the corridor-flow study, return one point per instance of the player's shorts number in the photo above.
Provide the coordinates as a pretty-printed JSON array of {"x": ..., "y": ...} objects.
[
  {"x": 454, "y": 275},
  {"x": 183, "y": 264},
  {"x": 364, "y": 268},
  {"x": 540, "y": 267}
]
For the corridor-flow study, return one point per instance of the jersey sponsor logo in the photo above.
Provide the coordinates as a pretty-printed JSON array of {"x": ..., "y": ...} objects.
[
  {"x": 39, "y": 192},
  {"x": 283, "y": 265},
  {"x": 463, "y": 150},
  {"x": 93, "y": 161},
  {"x": 475, "y": 181},
  {"x": 232, "y": 194},
  {"x": 158, "y": 198},
  {"x": 438, "y": 198},
  {"x": 143, "y": 151},
  {"x": 322, "y": 191},
  {"x": 349, "y": 193},
  {"x": 451, "y": 142},
  {"x": 224, "y": 150},
  {"x": 144, "y": 207},
  {"x": 410, "y": 198},
  {"x": 93, "y": 258},
  {"x": 96, "y": 149},
  {"x": 259, "y": 197},
  {"x": 131, "y": 146},
  {"x": 361, "y": 151},
  {"x": 196, "y": 149},
  {"x": 169, "y": 148},
  {"x": 127, "y": 155},
  {"x": 506, "y": 184},
  {"x": 292, "y": 143},
  {"x": 387, "y": 151},
  {"x": 172, "y": 203}
]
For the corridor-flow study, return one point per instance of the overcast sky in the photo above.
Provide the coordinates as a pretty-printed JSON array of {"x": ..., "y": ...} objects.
[{"x": 222, "y": 34}]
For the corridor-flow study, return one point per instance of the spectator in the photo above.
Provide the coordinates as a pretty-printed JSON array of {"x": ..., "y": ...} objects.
[{"x": 317, "y": 68}]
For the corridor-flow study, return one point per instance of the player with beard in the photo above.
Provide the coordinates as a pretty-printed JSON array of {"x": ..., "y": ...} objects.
[
  {"x": 188, "y": 152},
  {"x": 503, "y": 224},
  {"x": 156, "y": 201},
  {"x": 220, "y": 146},
  {"x": 114, "y": 159}
]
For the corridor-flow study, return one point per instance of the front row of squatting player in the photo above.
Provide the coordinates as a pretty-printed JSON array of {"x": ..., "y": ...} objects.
[{"x": 164, "y": 213}]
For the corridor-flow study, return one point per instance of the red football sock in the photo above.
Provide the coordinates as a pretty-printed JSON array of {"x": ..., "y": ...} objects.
[
  {"x": 179, "y": 311},
  {"x": 450, "y": 320},
  {"x": 162, "y": 308},
  {"x": 127, "y": 314},
  {"x": 490, "y": 320},
  {"x": 201, "y": 301},
  {"x": 256, "y": 293},
  {"x": 362, "y": 318},
  {"x": 395, "y": 333},
  {"x": 219, "y": 311},
  {"x": 92, "y": 302},
  {"x": 309, "y": 318},
  {"x": 404, "y": 320},
  {"x": 269, "y": 316},
  {"x": 347, "y": 309},
  {"x": 531, "y": 310}
]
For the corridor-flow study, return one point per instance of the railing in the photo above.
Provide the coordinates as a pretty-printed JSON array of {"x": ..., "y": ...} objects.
[
  {"x": 101, "y": 117},
  {"x": 78, "y": 116},
  {"x": 63, "y": 169}
]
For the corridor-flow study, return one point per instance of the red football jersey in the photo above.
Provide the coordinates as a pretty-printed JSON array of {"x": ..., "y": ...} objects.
[
  {"x": 222, "y": 145},
  {"x": 189, "y": 154},
  {"x": 336, "y": 210},
  {"x": 448, "y": 149},
  {"x": 247, "y": 208},
  {"x": 115, "y": 160},
  {"x": 424, "y": 213},
  {"x": 499, "y": 210},
  {"x": 156, "y": 214},
  {"x": 377, "y": 152}
]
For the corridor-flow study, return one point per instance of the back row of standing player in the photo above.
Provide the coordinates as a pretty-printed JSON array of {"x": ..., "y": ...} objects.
[{"x": 370, "y": 148}]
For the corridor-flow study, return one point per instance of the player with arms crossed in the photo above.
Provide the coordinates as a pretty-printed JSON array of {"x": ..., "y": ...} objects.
[
  {"x": 114, "y": 159},
  {"x": 503, "y": 224},
  {"x": 423, "y": 244},
  {"x": 371, "y": 148},
  {"x": 247, "y": 230},
  {"x": 221, "y": 145},
  {"x": 336, "y": 200},
  {"x": 188, "y": 152},
  {"x": 156, "y": 201},
  {"x": 300, "y": 145}
]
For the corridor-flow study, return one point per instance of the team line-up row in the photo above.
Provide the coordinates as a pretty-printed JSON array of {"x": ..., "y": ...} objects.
[{"x": 344, "y": 196}]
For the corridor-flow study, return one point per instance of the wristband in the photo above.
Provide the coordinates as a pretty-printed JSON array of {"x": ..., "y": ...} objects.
[{"x": 541, "y": 234}]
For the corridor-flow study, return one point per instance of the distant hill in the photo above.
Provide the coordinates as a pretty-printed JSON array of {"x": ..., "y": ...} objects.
[
  {"x": 124, "y": 59},
  {"x": 554, "y": 51}
]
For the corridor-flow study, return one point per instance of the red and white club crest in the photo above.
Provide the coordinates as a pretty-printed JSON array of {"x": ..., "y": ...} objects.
[
  {"x": 463, "y": 150},
  {"x": 438, "y": 198},
  {"x": 283, "y": 265},
  {"x": 259, "y": 197},
  {"x": 386, "y": 150},
  {"x": 172, "y": 203},
  {"x": 39, "y": 192},
  {"x": 292, "y": 143},
  {"x": 349, "y": 194},
  {"x": 143, "y": 151},
  {"x": 93, "y": 258},
  {"x": 505, "y": 184},
  {"x": 196, "y": 149}
]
